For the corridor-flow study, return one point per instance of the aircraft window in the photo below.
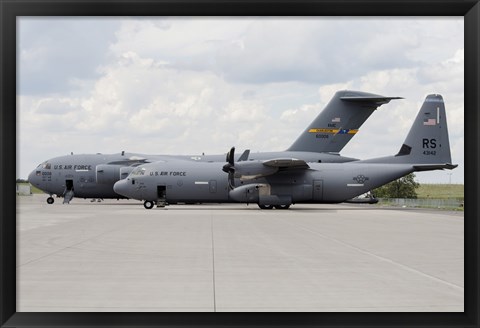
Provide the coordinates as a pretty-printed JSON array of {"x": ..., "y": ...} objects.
[
  {"x": 133, "y": 181},
  {"x": 138, "y": 171},
  {"x": 47, "y": 166}
]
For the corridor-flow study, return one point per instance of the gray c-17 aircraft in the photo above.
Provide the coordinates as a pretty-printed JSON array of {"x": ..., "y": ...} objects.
[
  {"x": 281, "y": 182},
  {"x": 93, "y": 175}
]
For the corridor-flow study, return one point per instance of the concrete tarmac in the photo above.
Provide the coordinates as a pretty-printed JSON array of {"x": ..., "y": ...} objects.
[{"x": 117, "y": 256}]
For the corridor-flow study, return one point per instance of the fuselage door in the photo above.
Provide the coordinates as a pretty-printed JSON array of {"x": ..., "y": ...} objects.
[
  {"x": 162, "y": 192},
  {"x": 161, "y": 195},
  {"x": 68, "y": 185},
  {"x": 317, "y": 189},
  {"x": 69, "y": 193}
]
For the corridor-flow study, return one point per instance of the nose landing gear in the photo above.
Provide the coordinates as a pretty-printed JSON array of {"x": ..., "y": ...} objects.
[{"x": 50, "y": 200}]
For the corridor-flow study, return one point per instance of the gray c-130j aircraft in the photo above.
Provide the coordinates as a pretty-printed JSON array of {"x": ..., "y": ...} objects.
[
  {"x": 280, "y": 182},
  {"x": 93, "y": 175}
]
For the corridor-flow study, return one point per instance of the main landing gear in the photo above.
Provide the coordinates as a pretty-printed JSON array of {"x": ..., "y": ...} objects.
[
  {"x": 148, "y": 204},
  {"x": 278, "y": 207}
]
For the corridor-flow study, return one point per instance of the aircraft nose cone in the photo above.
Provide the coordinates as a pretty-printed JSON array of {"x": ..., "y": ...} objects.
[
  {"x": 32, "y": 177},
  {"x": 121, "y": 188}
]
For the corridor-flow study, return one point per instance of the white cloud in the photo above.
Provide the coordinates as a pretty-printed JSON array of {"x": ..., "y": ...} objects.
[
  {"x": 445, "y": 74},
  {"x": 259, "y": 50},
  {"x": 53, "y": 51}
]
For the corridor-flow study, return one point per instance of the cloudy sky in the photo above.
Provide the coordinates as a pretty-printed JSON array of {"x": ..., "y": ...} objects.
[{"x": 190, "y": 85}]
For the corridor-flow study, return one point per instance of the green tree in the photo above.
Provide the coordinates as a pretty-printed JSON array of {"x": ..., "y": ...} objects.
[{"x": 402, "y": 188}]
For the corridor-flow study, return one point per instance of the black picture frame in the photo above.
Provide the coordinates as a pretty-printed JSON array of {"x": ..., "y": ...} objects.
[{"x": 10, "y": 9}]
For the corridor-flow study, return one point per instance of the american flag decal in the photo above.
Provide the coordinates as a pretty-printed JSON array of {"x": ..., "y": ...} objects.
[
  {"x": 336, "y": 119},
  {"x": 430, "y": 121}
]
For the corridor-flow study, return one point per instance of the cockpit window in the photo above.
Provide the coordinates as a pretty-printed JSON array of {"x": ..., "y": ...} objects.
[
  {"x": 46, "y": 165},
  {"x": 138, "y": 171}
]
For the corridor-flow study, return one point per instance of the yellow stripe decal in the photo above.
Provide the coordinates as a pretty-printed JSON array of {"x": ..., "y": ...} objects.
[{"x": 334, "y": 131}]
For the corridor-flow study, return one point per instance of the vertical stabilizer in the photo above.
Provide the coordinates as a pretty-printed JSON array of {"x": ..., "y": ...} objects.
[
  {"x": 333, "y": 128},
  {"x": 427, "y": 141},
  {"x": 427, "y": 146}
]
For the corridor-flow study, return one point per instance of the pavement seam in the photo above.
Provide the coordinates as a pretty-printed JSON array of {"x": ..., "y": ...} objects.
[
  {"x": 384, "y": 259},
  {"x": 213, "y": 265},
  {"x": 68, "y": 247}
]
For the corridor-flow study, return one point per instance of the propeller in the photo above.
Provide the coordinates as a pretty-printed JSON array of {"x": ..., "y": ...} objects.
[{"x": 230, "y": 167}]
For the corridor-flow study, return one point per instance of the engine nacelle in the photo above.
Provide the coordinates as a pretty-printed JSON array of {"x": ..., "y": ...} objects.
[
  {"x": 259, "y": 193},
  {"x": 248, "y": 193},
  {"x": 252, "y": 170},
  {"x": 125, "y": 171},
  {"x": 107, "y": 173}
]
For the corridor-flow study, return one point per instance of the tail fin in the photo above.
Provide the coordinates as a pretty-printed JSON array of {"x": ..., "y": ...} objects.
[
  {"x": 333, "y": 128},
  {"x": 427, "y": 146}
]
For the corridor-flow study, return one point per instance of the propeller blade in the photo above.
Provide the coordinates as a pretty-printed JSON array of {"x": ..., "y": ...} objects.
[
  {"x": 231, "y": 156},
  {"x": 231, "y": 180},
  {"x": 230, "y": 167}
]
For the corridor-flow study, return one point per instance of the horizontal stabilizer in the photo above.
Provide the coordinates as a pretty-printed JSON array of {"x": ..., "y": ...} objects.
[
  {"x": 375, "y": 99},
  {"x": 429, "y": 167}
]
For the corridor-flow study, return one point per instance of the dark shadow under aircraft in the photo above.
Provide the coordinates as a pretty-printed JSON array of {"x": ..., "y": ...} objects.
[
  {"x": 93, "y": 175},
  {"x": 281, "y": 181}
]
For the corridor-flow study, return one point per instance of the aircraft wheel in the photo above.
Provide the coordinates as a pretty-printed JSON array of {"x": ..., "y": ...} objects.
[
  {"x": 50, "y": 200},
  {"x": 282, "y": 207},
  {"x": 265, "y": 207},
  {"x": 148, "y": 204}
]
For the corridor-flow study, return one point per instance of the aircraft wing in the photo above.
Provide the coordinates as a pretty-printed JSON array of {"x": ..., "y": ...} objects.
[
  {"x": 130, "y": 162},
  {"x": 287, "y": 163},
  {"x": 257, "y": 169}
]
